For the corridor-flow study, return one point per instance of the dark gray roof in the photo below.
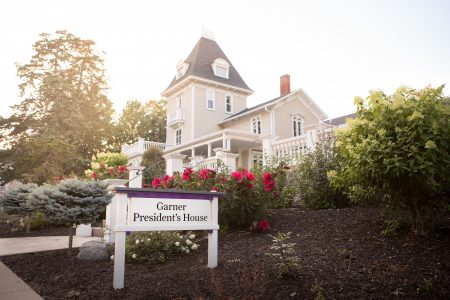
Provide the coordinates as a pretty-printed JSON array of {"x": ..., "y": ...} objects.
[
  {"x": 205, "y": 52},
  {"x": 340, "y": 120}
]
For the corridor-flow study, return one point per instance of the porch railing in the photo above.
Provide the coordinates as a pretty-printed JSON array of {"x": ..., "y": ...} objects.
[
  {"x": 139, "y": 147},
  {"x": 292, "y": 148}
]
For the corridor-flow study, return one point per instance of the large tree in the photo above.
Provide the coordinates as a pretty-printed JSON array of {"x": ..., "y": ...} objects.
[
  {"x": 63, "y": 89},
  {"x": 145, "y": 120}
]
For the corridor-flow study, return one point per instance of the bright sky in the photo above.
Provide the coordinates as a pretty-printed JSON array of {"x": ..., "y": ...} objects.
[{"x": 334, "y": 50}]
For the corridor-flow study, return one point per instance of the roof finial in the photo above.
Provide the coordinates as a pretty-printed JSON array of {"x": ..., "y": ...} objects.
[{"x": 208, "y": 34}]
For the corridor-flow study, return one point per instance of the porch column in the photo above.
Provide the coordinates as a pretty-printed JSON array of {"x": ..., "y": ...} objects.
[
  {"x": 229, "y": 144},
  {"x": 209, "y": 150},
  {"x": 267, "y": 147},
  {"x": 174, "y": 163},
  {"x": 229, "y": 159},
  {"x": 192, "y": 152}
]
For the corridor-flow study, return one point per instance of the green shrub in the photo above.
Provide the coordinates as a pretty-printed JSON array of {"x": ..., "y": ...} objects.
[
  {"x": 287, "y": 261},
  {"x": 108, "y": 165},
  {"x": 154, "y": 163},
  {"x": 310, "y": 178},
  {"x": 158, "y": 247},
  {"x": 399, "y": 146}
]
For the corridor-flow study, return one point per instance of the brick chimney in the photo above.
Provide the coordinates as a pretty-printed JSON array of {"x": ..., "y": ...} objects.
[{"x": 285, "y": 85}]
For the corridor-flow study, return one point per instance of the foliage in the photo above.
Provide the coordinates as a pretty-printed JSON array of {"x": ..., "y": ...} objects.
[
  {"x": 64, "y": 110},
  {"x": 158, "y": 247},
  {"x": 71, "y": 202},
  {"x": 140, "y": 120},
  {"x": 284, "y": 253},
  {"x": 247, "y": 196},
  {"x": 282, "y": 194},
  {"x": 154, "y": 163},
  {"x": 310, "y": 178},
  {"x": 399, "y": 147},
  {"x": 14, "y": 201},
  {"x": 108, "y": 165}
]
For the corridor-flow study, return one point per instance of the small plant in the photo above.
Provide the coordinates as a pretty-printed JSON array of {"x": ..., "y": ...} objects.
[
  {"x": 319, "y": 292},
  {"x": 426, "y": 285},
  {"x": 284, "y": 252},
  {"x": 158, "y": 247}
]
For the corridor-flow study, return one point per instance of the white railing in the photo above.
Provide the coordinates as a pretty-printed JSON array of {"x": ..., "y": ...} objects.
[
  {"x": 139, "y": 147},
  {"x": 292, "y": 148},
  {"x": 176, "y": 117},
  {"x": 207, "y": 163}
]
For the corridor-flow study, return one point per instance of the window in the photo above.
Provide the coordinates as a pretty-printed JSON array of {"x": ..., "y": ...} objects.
[
  {"x": 180, "y": 72},
  {"x": 297, "y": 125},
  {"x": 178, "y": 137},
  {"x": 256, "y": 125},
  {"x": 178, "y": 101},
  {"x": 257, "y": 159},
  {"x": 221, "y": 68},
  {"x": 228, "y": 103},
  {"x": 210, "y": 101},
  {"x": 182, "y": 67}
]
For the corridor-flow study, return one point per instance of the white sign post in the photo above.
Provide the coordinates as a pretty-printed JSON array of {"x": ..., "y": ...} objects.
[{"x": 163, "y": 210}]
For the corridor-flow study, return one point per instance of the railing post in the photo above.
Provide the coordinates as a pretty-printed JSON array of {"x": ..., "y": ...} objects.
[
  {"x": 174, "y": 163},
  {"x": 267, "y": 147}
]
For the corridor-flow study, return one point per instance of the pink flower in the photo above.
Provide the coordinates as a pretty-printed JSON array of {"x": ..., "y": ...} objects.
[
  {"x": 121, "y": 169},
  {"x": 185, "y": 177},
  {"x": 214, "y": 189},
  {"x": 111, "y": 170},
  {"x": 250, "y": 176},
  {"x": 267, "y": 177},
  {"x": 237, "y": 176},
  {"x": 263, "y": 225},
  {"x": 102, "y": 165},
  {"x": 188, "y": 171},
  {"x": 166, "y": 178},
  {"x": 204, "y": 174},
  {"x": 269, "y": 183},
  {"x": 94, "y": 175},
  {"x": 250, "y": 185},
  {"x": 156, "y": 182}
]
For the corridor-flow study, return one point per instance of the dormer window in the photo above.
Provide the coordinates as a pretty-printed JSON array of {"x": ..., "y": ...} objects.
[
  {"x": 221, "y": 68},
  {"x": 182, "y": 67}
]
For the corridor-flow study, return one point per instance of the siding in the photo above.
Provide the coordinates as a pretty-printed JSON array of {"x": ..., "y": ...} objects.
[
  {"x": 186, "y": 96},
  {"x": 243, "y": 159},
  {"x": 283, "y": 122},
  {"x": 244, "y": 123}
]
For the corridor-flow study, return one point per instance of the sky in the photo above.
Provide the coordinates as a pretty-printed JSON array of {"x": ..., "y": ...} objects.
[{"x": 334, "y": 50}]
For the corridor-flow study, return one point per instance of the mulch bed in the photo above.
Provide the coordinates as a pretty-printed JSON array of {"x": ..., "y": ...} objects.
[{"x": 341, "y": 252}]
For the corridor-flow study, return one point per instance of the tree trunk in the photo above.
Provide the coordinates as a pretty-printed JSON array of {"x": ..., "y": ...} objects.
[
  {"x": 69, "y": 250},
  {"x": 28, "y": 220}
]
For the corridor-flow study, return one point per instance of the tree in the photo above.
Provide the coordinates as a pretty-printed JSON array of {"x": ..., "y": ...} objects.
[
  {"x": 398, "y": 147},
  {"x": 71, "y": 202},
  {"x": 137, "y": 120},
  {"x": 154, "y": 163},
  {"x": 14, "y": 200},
  {"x": 63, "y": 90}
]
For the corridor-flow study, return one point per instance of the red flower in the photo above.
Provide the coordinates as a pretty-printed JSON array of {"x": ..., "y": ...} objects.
[
  {"x": 268, "y": 187},
  {"x": 188, "y": 171},
  {"x": 250, "y": 176},
  {"x": 156, "y": 182},
  {"x": 145, "y": 186},
  {"x": 250, "y": 185},
  {"x": 214, "y": 189},
  {"x": 269, "y": 182},
  {"x": 237, "y": 176},
  {"x": 185, "y": 177},
  {"x": 263, "y": 225},
  {"x": 121, "y": 169},
  {"x": 94, "y": 175},
  {"x": 204, "y": 174},
  {"x": 267, "y": 177},
  {"x": 166, "y": 178},
  {"x": 111, "y": 170},
  {"x": 102, "y": 165}
]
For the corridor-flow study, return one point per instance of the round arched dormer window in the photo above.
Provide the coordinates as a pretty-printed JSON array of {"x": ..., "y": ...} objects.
[{"x": 221, "y": 68}]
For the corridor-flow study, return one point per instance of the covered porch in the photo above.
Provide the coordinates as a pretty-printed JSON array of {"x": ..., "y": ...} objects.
[{"x": 234, "y": 148}]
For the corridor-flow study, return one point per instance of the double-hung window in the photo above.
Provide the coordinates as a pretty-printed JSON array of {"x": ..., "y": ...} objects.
[
  {"x": 210, "y": 100},
  {"x": 256, "y": 125},
  {"x": 228, "y": 104},
  {"x": 297, "y": 125},
  {"x": 178, "y": 137}
]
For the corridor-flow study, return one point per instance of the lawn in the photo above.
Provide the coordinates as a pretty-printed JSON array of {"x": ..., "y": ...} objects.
[{"x": 343, "y": 255}]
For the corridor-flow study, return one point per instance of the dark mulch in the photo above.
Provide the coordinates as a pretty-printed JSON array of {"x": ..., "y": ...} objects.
[
  {"x": 8, "y": 231},
  {"x": 341, "y": 251}
]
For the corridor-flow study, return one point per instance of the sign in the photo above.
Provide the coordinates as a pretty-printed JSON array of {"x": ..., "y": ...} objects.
[{"x": 159, "y": 210}]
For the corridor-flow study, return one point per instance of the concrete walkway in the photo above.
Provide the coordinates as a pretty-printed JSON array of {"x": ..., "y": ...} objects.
[
  {"x": 11, "y": 246},
  {"x": 11, "y": 286}
]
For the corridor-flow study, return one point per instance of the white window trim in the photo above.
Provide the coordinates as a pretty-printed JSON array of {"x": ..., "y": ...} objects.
[
  {"x": 176, "y": 136},
  {"x": 231, "y": 103},
  {"x": 260, "y": 124},
  {"x": 296, "y": 118},
  {"x": 178, "y": 100},
  {"x": 213, "y": 99},
  {"x": 221, "y": 63},
  {"x": 181, "y": 69}
]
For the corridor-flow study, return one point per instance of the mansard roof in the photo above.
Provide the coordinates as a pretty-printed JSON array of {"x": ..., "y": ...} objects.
[{"x": 200, "y": 61}]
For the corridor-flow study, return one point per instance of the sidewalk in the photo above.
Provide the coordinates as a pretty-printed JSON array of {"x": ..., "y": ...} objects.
[
  {"x": 11, "y": 246},
  {"x": 11, "y": 286}
]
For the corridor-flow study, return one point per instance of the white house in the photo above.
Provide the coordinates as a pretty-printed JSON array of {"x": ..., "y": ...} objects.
[{"x": 208, "y": 118}]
